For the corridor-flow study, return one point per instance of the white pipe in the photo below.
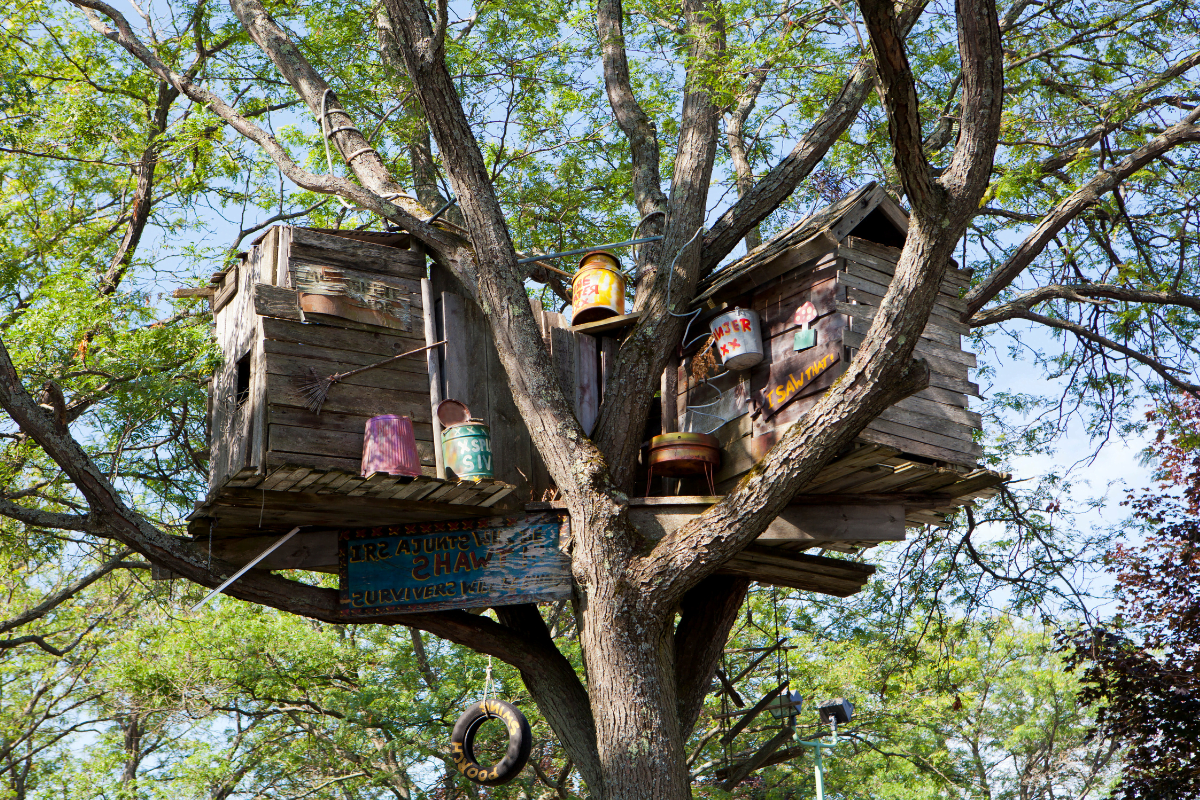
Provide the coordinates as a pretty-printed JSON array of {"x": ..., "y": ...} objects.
[{"x": 246, "y": 568}]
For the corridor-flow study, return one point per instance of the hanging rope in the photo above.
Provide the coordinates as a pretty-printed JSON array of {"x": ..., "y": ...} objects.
[
  {"x": 783, "y": 670},
  {"x": 487, "y": 681},
  {"x": 211, "y": 525},
  {"x": 726, "y": 761}
]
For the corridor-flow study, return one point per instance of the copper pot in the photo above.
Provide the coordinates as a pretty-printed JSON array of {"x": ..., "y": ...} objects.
[{"x": 677, "y": 454}]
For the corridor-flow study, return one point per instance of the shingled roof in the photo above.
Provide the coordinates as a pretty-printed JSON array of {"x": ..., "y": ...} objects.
[{"x": 833, "y": 223}]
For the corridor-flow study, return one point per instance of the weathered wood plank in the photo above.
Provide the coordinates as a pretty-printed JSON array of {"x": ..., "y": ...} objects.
[
  {"x": 226, "y": 291},
  {"x": 811, "y": 526},
  {"x": 350, "y": 398},
  {"x": 934, "y": 348},
  {"x": 796, "y": 283},
  {"x": 587, "y": 381},
  {"x": 793, "y": 377},
  {"x": 476, "y": 564},
  {"x": 342, "y": 360},
  {"x": 876, "y": 433},
  {"x": 871, "y": 295},
  {"x": 303, "y": 369},
  {"x": 606, "y": 325},
  {"x": 772, "y": 267},
  {"x": 240, "y": 510},
  {"x": 857, "y": 276},
  {"x": 953, "y": 413},
  {"x": 781, "y": 346},
  {"x": 562, "y": 351},
  {"x": 926, "y": 350},
  {"x": 854, "y": 215},
  {"x": 351, "y": 294},
  {"x": 334, "y": 444},
  {"x": 906, "y": 415},
  {"x": 323, "y": 247},
  {"x": 921, "y": 428},
  {"x": 800, "y": 571},
  {"x": 433, "y": 365},
  {"x": 346, "y": 423},
  {"x": 780, "y": 317},
  {"x": 339, "y": 338},
  {"x": 275, "y": 301},
  {"x": 861, "y": 316}
]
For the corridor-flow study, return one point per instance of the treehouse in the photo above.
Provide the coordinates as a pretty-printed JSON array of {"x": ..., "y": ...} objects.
[{"x": 304, "y": 306}]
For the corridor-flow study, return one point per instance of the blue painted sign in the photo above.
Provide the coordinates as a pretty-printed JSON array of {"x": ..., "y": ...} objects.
[{"x": 470, "y": 563}]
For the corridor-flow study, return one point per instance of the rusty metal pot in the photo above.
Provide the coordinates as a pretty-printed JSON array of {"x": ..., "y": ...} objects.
[{"x": 676, "y": 454}]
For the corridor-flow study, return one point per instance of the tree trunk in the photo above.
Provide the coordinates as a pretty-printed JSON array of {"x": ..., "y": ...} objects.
[{"x": 631, "y": 683}]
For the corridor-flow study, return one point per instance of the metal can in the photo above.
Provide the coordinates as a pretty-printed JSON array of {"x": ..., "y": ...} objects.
[
  {"x": 684, "y": 454},
  {"x": 467, "y": 450},
  {"x": 737, "y": 337},
  {"x": 390, "y": 446},
  {"x": 598, "y": 288}
]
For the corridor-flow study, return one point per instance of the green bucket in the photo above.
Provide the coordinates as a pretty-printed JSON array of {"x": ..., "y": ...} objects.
[{"x": 467, "y": 451}]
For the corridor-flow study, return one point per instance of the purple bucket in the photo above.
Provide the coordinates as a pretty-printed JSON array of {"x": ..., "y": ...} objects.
[{"x": 390, "y": 446}]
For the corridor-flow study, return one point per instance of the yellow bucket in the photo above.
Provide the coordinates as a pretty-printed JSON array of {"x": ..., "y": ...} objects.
[{"x": 598, "y": 288}]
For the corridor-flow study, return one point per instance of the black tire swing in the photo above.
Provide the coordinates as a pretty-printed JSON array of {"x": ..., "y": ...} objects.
[{"x": 520, "y": 742}]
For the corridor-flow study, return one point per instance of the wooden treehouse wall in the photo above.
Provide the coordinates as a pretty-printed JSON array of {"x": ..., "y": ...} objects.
[
  {"x": 471, "y": 372},
  {"x": 304, "y": 303},
  {"x": 845, "y": 280},
  {"x": 262, "y": 327}
]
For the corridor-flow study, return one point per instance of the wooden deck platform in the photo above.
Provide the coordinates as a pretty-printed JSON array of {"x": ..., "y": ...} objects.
[
  {"x": 271, "y": 504},
  {"x": 863, "y": 499}
]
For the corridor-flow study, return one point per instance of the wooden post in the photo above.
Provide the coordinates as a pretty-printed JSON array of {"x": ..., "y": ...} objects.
[
  {"x": 670, "y": 395},
  {"x": 435, "y": 374}
]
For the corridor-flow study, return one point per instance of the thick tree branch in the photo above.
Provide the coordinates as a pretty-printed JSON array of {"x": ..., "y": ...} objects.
[
  {"x": 777, "y": 185},
  {"x": 570, "y": 457},
  {"x": 707, "y": 616},
  {"x": 446, "y": 245},
  {"x": 646, "y": 350},
  {"x": 982, "y": 55},
  {"x": 316, "y": 93},
  {"x": 558, "y": 692},
  {"x": 901, "y": 102},
  {"x": 1104, "y": 181},
  {"x": 633, "y": 120},
  {"x": 44, "y": 519},
  {"x": 1081, "y": 293}
]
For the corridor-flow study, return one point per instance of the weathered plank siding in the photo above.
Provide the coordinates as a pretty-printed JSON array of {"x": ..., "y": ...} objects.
[
  {"x": 264, "y": 332},
  {"x": 842, "y": 261}
]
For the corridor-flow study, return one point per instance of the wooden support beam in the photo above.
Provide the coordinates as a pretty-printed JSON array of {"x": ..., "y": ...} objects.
[
  {"x": 755, "y": 710},
  {"x": 606, "y": 325},
  {"x": 808, "y": 524},
  {"x": 740, "y": 771},
  {"x": 199, "y": 291}
]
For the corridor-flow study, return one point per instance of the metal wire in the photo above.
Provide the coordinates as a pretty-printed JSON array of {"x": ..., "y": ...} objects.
[{"x": 670, "y": 279}]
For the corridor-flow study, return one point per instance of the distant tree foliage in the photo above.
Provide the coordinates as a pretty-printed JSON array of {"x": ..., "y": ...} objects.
[{"x": 1143, "y": 676}]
